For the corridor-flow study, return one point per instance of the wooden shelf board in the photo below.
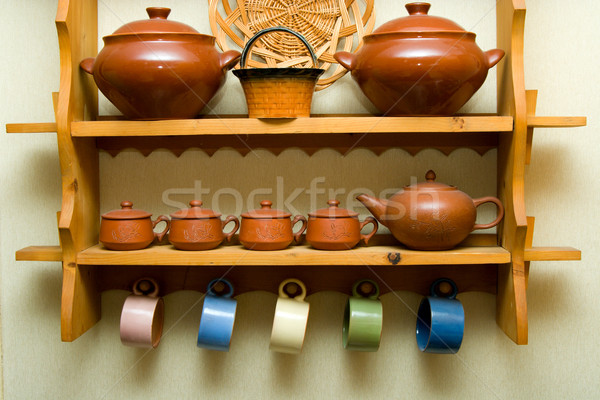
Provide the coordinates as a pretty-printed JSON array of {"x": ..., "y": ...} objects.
[
  {"x": 39, "y": 253},
  {"x": 552, "y": 254},
  {"x": 236, "y": 255},
  {"x": 39, "y": 127},
  {"x": 224, "y": 125},
  {"x": 555, "y": 122}
]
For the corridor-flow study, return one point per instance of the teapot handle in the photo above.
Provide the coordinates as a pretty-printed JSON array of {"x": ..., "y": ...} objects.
[
  {"x": 368, "y": 236},
  {"x": 161, "y": 218},
  {"x": 297, "y": 235},
  {"x": 489, "y": 199},
  {"x": 236, "y": 226}
]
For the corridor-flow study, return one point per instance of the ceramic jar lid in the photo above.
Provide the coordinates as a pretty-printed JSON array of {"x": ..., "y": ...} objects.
[
  {"x": 157, "y": 23},
  {"x": 419, "y": 21},
  {"x": 333, "y": 211},
  {"x": 195, "y": 212},
  {"x": 265, "y": 212},
  {"x": 126, "y": 212},
  {"x": 430, "y": 184}
]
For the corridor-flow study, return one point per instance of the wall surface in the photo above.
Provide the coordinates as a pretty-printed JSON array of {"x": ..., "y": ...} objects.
[{"x": 562, "y": 53}]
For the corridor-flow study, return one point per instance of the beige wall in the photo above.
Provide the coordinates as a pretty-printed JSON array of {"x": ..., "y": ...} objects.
[{"x": 562, "y": 60}]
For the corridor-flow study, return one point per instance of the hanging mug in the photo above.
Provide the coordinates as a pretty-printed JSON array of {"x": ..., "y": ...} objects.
[
  {"x": 218, "y": 316},
  {"x": 291, "y": 317},
  {"x": 440, "y": 320},
  {"x": 363, "y": 317},
  {"x": 142, "y": 316}
]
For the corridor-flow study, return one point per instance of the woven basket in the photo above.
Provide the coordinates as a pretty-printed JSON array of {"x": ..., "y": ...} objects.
[
  {"x": 278, "y": 92},
  {"x": 328, "y": 25}
]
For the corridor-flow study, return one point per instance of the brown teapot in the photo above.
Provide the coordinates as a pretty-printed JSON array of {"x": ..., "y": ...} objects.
[
  {"x": 430, "y": 215},
  {"x": 335, "y": 228},
  {"x": 269, "y": 229},
  {"x": 157, "y": 68},
  {"x": 419, "y": 64},
  {"x": 129, "y": 229},
  {"x": 197, "y": 228}
]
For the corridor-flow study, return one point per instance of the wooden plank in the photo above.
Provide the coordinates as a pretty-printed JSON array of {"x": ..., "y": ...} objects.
[
  {"x": 39, "y": 253},
  {"x": 316, "y": 125},
  {"x": 294, "y": 255},
  {"x": 39, "y": 127},
  {"x": 555, "y": 122},
  {"x": 531, "y": 96},
  {"x": 552, "y": 254}
]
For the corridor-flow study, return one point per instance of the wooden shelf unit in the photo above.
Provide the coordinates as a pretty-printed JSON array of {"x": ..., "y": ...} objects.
[{"x": 497, "y": 264}]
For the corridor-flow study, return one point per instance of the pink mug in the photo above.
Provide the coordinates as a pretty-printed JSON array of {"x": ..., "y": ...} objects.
[{"x": 142, "y": 316}]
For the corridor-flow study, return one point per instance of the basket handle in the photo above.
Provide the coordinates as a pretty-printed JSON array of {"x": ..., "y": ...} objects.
[{"x": 254, "y": 38}]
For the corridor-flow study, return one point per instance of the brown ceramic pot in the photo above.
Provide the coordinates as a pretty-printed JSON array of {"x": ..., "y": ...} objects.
[
  {"x": 430, "y": 215},
  {"x": 268, "y": 229},
  {"x": 335, "y": 228},
  {"x": 419, "y": 65},
  {"x": 157, "y": 68},
  {"x": 196, "y": 228},
  {"x": 129, "y": 229}
]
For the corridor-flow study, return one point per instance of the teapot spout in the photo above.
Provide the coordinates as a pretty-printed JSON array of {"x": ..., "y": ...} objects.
[{"x": 377, "y": 207}]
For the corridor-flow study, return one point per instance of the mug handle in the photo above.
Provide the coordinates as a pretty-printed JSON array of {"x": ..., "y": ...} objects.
[
  {"x": 161, "y": 235},
  {"x": 139, "y": 287},
  {"x": 302, "y": 229},
  {"x": 210, "y": 288},
  {"x": 231, "y": 218},
  {"x": 480, "y": 201},
  {"x": 357, "y": 293},
  {"x": 436, "y": 283},
  {"x": 368, "y": 236},
  {"x": 298, "y": 282}
]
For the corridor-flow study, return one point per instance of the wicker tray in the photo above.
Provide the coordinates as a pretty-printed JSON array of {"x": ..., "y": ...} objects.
[{"x": 328, "y": 25}]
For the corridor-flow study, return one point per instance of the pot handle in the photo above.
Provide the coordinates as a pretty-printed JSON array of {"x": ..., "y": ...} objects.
[
  {"x": 480, "y": 201},
  {"x": 231, "y": 218},
  {"x": 493, "y": 57},
  {"x": 368, "y": 236},
  {"x": 297, "y": 235},
  {"x": 250, "y": 44},
  {"x": 161, "y": 218},
  {"x": 88, "y": 65},
  {"x": 228, "y": 59},
  {"x": 345, "y": 59}
]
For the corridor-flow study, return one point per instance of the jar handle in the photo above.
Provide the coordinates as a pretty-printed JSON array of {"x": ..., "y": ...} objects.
[
  {"x": 368, "y": 236},
  {"x": 231, "y": 218},
  {"x": 161, "y": 235},
  {"x": 480, "y": 201},
  {"x": 302, "y": 229}
]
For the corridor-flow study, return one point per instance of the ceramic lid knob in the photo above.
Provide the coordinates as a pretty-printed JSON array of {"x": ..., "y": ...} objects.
[
  {"x": 158, "y": 12},
  {"x": 266, "y": 204},
  {"x": 195, "y": 203},
  {"x": 333, "y": 203},
  {"x": 430, "y": 176},
  {"x": 418, "y": 8},
  {"x": 126, "y": 205}
]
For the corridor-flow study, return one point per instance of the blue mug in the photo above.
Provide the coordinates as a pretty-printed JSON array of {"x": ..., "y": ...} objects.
[
  {"x": 440, "y": 321},
  {"x": 218, "y": 316}
]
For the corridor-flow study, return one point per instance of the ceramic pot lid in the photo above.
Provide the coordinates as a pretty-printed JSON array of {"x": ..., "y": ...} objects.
[
  {"x": 266, "y": 212},
  {"x": 126, "y": 212},
  {"x": 157, "y": 23},
  {"x": 195, "y": 212},
  {"x": 430, "y": 184},
  {"x": 419, "y": 21},
  {"x": 333, "y": 211}
]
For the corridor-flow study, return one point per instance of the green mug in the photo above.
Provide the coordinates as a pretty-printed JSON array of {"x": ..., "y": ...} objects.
[{"x": 363, "y": 318}]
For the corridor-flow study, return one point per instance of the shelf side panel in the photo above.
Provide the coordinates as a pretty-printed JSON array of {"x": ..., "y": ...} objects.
[
  {"x": 76, "y": 24},
  {"x": 511, "y": 301}
]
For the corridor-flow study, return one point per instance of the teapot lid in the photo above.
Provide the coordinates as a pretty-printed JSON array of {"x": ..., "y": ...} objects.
[
  {"x": 126, "y": 212},
  {"x": 430, "y": 184},
  {"x": 266, "y": 212},
  {"x": 419, "y": 21},
  {"x": 195, "y": 211},
  {"x": 333, "y": 211},
  {"x": 157, "y": 23}
]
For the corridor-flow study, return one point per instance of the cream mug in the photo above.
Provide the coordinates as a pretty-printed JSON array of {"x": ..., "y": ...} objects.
[{"x": 291, "y": 317}]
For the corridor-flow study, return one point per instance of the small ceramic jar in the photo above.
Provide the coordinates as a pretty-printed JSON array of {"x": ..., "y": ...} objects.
[
  {"x": 129, "y": 229},
  {"x": 335, "y": 228},
  {"x": 196, "y": 228},
  {"x": 268, "y": 229}
]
